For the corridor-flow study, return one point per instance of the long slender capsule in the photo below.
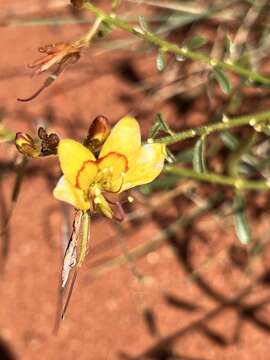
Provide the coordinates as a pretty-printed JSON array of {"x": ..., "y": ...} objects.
[{"x": 83, "y": 237}]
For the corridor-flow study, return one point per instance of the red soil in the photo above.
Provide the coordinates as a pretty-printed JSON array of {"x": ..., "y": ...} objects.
[{"x": 218, "y": 312}]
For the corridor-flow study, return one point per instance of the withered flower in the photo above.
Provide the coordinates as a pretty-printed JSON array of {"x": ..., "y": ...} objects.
[
  {"x": 47, "y": 144},
  {"x": 57, "y": 57},
  {"x": 56, "y": 54}
]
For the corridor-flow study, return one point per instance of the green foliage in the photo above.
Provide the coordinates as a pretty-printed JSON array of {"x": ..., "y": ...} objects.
[
  {"x": 199, "y": 156},
  {"x": 242, "y": 227},
  {"x": 160, "y": 61},
  {"x": 222, "y": 79},
  {"x": 236, "y": 158},
  {"x": 143, "y": 23},
  {"x": 196, "y": 42}
]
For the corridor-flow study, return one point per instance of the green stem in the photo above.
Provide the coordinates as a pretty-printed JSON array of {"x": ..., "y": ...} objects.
[
  {"x": 237, "y": 183},
  {"x": 226, "y": 123},
  {"x": 174, "y": 48},
  {"x": 86, "y": 39}
]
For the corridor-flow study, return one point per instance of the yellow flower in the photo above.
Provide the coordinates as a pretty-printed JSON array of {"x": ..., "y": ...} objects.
[{"x": 122, "y": 164}]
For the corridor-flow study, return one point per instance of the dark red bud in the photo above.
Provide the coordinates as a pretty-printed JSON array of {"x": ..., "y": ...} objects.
[{"x": 98, "y": 132}]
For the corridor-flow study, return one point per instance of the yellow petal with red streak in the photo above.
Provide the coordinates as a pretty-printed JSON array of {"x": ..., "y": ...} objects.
[
  {"x": 125, "y": 138},
  {"x": 77, "y": 163}
]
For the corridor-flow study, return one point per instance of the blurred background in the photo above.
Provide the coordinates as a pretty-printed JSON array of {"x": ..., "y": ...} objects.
[{"x": 173, "y": 281}]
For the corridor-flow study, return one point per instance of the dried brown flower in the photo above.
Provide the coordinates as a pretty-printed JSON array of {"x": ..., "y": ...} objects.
[
  {"x": 57, "y": 58},
  {"x": 56, "y": 54}
]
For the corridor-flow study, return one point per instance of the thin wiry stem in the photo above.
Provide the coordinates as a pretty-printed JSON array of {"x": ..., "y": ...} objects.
[
  {"x": 167, "y": 46},
  {"x": 237, "y": 183},
  {"x": 226, "y": 123}
]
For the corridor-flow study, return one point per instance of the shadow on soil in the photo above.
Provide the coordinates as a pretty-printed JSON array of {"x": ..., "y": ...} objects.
[{"x": 239, "y": 303}]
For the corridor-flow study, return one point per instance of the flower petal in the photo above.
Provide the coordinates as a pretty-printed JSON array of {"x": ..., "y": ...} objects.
[
  {"x": 113, "y": 166},
  {"x": 77, "y": 163},
  {"x": 64, "y": 191},
  {"x": 146, "y": 166},
  {"x": 125, "y": 138}
]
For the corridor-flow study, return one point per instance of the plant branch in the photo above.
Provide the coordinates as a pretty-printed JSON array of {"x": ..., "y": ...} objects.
[
  {"x": 166, "y": 46},
  {"x": 237, "y": 183},
  {"x": 226, "y": 123}
]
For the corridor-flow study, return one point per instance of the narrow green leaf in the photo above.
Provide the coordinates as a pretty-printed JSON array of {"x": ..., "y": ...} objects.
[
  {"x": 160, "y": 124},
  {"x": 229, "y": 140},
  {"x": 241, "y": 224},
  {"x": 154, "y": 130},
  {"x": 196, "y": 42},
  {"x": 199, "y": 156},
  {"x": 160, "y": 61},
  {"x": 222, "y": 79},
  {"x": 143, "y": 23},
  {"x": 163, "y": 124}
]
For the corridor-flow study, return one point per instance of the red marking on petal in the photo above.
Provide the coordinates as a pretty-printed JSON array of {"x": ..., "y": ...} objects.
[
  {"x": 118, "y": 155},
  {"x": 77, "y": 184}
]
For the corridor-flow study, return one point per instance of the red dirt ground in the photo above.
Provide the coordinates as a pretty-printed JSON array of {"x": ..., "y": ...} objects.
[{"x": 217, "y": 312}]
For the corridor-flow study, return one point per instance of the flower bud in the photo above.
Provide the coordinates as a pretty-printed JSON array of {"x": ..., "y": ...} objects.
[
  {"x": 25, "y": 144},
  {"x": 98, "y": 132}
]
